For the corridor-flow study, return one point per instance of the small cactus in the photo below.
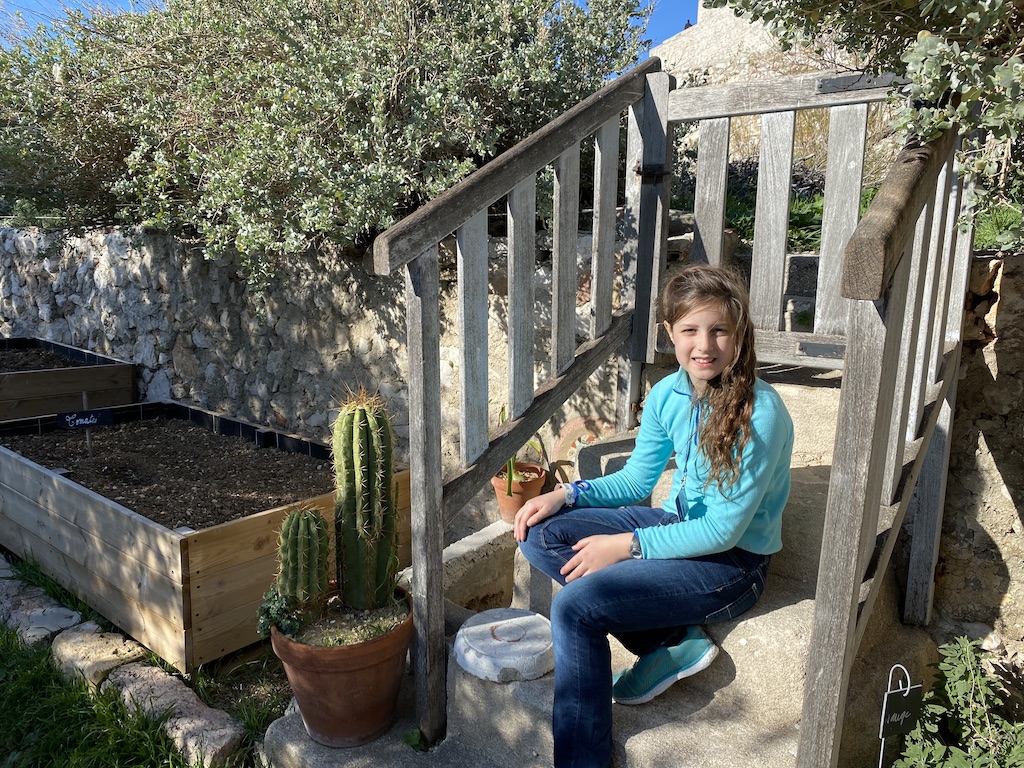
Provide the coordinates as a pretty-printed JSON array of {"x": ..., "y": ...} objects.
[
  {"x": 302, "y": 556},
  {"x": 300, "y": 588},
  {"x": 366, "y": 534}
]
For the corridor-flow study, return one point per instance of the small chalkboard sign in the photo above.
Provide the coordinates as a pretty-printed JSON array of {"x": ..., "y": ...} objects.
[
  {"x": 901, "y": 707},
  {"x": 900, "y": 711},
  {"x": 83, "y": 419}
]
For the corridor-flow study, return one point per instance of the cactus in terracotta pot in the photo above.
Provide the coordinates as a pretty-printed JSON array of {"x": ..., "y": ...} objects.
[{"x": 365, "y": 514}]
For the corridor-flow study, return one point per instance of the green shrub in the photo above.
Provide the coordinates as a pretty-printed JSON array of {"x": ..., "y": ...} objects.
[
  {"x": 265, "y": 126},
  {"x": 963, "y": 721}
]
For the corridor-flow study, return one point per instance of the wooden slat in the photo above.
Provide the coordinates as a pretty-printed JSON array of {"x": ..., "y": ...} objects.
[
  {"x": 43, "y": 406},
  {"x": 472, "y": 258},
  {"x": 221, "y": 592},
  {"x": 87, "y": 549},
  {"x": 847, "y": 136},
  {"x": 925, "y": 367},
  {"x": 226, "y": 546},
  {"x": 130, "y": 533},
  {"x": 138, "y": 619},
  {"x": 602, "y": 276},
  {"x": 779, "y": 95},
  {"x": 24, "y": 394},
  {"x": 771, "y": 220},
  {"x": 434, "y": 221},
  {"x": 627, "y": 379},
  {"x": 225, "y": 633},
  {"x": 652, "y": 234},
  {"x": 946, "y": 324},
  {"x": 874, "y": 250},
  {"x": 809, "y": 350},
  {"x": 930, "y": 500},
  {"x": 709, "y": 195},
  {"x": 914, "y": 480},
  {"x": 424, "y": 334},
  {"x": 908, "y": 370},
  {"x": 522, "y": 260},
  {"x": 851, "y": 515},
  {"x": 565, "y": 272},
  {"x": 549, "y": 397},
  {"x": 63, "y": 381}
]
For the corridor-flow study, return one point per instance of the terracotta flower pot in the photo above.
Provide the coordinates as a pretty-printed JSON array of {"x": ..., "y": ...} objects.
[
  {"x": 346, "y": 694},
  {"x": 521, "y": 491}
]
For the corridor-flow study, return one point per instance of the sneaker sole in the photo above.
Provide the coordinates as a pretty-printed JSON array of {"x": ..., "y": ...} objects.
[{"x": 701, "y": 664}]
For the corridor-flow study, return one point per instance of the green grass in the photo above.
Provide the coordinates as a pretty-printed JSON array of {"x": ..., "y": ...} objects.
[
  {"x": 249, "y": 685},
  {"x": 49, "y": 721}
]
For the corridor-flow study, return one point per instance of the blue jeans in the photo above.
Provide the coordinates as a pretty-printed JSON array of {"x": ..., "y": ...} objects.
[{"x": 645, "y": 604}]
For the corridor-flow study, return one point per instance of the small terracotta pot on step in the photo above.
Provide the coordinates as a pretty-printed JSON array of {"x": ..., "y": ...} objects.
[
  {"x": 346, "y": 694},
  {"x": 521, "y": 491}
]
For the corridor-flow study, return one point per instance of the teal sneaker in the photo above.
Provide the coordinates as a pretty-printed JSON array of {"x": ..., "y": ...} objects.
[{"x": 654, "y": 672}]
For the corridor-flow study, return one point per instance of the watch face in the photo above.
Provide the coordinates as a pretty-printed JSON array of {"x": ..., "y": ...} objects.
[{"x": 634, "y": 548}]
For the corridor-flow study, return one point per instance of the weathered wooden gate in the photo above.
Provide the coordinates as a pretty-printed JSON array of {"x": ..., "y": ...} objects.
[{"x": 888, "y": 312}]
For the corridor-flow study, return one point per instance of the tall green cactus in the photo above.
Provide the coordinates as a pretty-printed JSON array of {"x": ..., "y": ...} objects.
[
  {"x": 303, "y": 550},
  {"x": 365, "y": 530}
]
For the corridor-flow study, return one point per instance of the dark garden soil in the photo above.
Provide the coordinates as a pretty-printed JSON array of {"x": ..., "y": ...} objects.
[
  {"x": 169, "y": 470},
  {"x": 18, "y": 360},
  {"x": 177, "y": 473}
]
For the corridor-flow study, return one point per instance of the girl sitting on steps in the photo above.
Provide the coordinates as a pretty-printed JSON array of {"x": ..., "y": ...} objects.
[{"x": 651, "y": 576}]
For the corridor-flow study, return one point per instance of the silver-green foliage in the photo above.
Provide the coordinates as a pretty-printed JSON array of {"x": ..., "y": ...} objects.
[
  {"x": 963, "y": 60},
  {"x": 365, "y": 515},
  {"x": 267, "y": 125}
]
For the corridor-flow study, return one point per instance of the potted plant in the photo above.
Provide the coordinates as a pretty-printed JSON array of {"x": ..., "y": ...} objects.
[
  {"x": 518, "y": 481},
  {"x": 344, "y": 649}
]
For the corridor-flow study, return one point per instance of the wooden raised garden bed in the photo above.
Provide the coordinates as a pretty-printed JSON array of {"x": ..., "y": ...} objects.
[
  {"x": 189, "y": 596},
  {"x": 105, "y": 380}
]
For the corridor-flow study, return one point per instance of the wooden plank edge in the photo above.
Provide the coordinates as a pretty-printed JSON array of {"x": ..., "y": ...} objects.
[
  {"x": 148, "y": 627},
  {"x": 877, "y": 244}
]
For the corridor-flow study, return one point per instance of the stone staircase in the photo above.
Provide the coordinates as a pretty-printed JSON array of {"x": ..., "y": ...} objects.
[{"x": 744, "y": 710}]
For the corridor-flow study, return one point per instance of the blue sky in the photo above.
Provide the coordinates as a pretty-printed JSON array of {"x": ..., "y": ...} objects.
[{"x": 668, "y": 18}]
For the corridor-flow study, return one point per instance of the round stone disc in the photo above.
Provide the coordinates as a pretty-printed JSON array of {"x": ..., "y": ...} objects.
[{"x": 505, "y": 644}]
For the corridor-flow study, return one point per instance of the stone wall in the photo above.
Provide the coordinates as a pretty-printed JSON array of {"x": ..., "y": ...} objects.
[
  {"x": 283, "y": 358},
  {"x": 980, "y": 576}
]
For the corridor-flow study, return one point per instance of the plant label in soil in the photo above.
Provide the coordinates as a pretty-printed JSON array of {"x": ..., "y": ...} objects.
[{"x": 83, "y": 419}]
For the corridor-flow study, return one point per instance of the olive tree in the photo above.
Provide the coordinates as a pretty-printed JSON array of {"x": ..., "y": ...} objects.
[
  {"x": 963, "y": 61},
  {"x": 266, "y": 125}
]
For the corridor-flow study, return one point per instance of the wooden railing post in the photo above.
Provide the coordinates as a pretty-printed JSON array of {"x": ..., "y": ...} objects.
[
  {"x": 851, "y": 517},
  {"x": 422, "y": 288}
]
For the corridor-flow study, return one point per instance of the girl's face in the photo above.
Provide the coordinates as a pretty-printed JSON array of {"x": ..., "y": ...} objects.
[{"x": 705, "y": 343}]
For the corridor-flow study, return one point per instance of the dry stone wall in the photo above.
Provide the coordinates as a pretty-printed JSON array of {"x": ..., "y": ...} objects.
[
  {"x": 980, "y": 575},
  {"x": 283, "y": 358}
]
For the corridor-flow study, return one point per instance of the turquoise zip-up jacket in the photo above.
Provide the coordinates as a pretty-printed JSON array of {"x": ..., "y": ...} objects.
[{"x": 747, "y": 514}]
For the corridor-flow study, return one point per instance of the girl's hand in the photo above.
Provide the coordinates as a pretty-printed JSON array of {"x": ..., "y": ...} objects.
[
  {"x": 536, "y": 509},
  {"x": 596, "y": 552}
]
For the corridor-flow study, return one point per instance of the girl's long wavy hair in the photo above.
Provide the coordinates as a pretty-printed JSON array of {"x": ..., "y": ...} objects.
[{"x": 728, "y": 400}]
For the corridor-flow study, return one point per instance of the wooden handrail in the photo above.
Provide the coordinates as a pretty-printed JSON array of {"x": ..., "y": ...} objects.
[
  {"x": 783, "y": 94},
  {"x": 429, "y": 224},
  {"x": 877, "y": 244}
]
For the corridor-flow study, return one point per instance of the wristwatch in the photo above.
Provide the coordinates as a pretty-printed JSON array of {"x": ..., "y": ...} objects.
[{"x": 634, "y": 548}]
